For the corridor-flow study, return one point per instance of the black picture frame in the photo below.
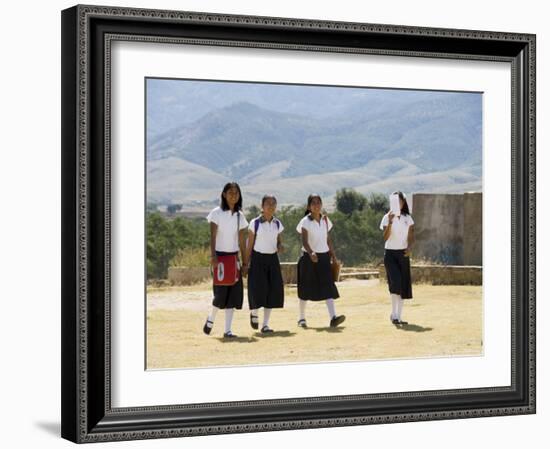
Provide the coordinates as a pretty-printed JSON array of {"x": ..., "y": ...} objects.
[{"x": 87, "y": 414}]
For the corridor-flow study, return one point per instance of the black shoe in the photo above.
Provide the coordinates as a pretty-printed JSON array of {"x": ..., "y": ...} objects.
[
  {"x": 229, "y": 335},
  {"x": 337, "y": 320},
  {"x": 252, "y": 323},
  {"x": 396, "y": 321},
  {"x": 266, "y": 330},
  {"x": 302, "y": 323},
  {"x": 207, "y": 329}
]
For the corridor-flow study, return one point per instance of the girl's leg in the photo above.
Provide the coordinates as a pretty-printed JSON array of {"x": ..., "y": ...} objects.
[
  {"x": 400, "y": 302},
  {"x": 228, "y": 320},
  {"x": 210, "y": 320},
  {"x": 395, "y": 306},
  {"x": 213, "y": 313},
  {"x": 254, "y": 318},
  {"x": 331, "y": 308},
  {"x": 303, "y": 303},
  {"x": 267, "y": 314},
  {"x": 302, "y": 318}
]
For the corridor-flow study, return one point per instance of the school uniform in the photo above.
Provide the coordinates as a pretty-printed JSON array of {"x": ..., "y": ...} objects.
[
  {"x": 227, "y": 243},
  {"x": 398, "y": 268},
  {"x": 265, "y": 281},
  {"x": 315, "y": 281}
]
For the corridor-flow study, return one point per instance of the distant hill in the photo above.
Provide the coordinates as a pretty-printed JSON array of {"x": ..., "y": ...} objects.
[{"x": 414, "y": 141}]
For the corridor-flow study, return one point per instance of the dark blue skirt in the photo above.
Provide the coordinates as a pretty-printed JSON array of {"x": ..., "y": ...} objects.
[
  {"x": 265, "y": 282},
  {"x": 315, "y": 281},
  {"x": 398, "y": 272}
]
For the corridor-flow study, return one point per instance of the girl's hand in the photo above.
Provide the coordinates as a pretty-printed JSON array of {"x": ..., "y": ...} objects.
[
  {"x": 314, "y": 257},
  {"x": 407, "y": 252},
  {"x": 244, "y": 270},
  {"x": 390, "y": 217},
  {"x": 214, "y": 261},
  {"x": 334, "y": 259}
]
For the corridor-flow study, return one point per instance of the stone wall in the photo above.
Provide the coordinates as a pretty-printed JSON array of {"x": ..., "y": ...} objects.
[
  {"x": 448, "y": 228},
  {"x": 473, "y": 227},
  {"x": 442, "y": 274}
]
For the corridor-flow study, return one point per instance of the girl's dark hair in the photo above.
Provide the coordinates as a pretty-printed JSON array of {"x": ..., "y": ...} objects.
[
  {"x": 310, "y": 199},
  {"x": 224, "y": 204},
  {"x": 405, "y": 208},
  {"x": 268, "y": 197}
]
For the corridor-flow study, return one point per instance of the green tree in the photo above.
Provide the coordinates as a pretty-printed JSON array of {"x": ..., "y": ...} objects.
[
  {"x": 173, "y": 208},
  {"x": 348, "y": 201},
  {"x": 378, "y": 202}
]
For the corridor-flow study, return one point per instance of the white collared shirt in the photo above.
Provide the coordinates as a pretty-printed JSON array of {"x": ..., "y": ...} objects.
[
  {"x": 227, "y": 237},
  {"x": 317, "y": 232},
  {"x": 266, "y": 237},
  {"x": 399, "y": 231}
]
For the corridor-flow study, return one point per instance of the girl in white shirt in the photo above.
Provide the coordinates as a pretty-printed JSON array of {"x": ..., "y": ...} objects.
[
  {"x": 227, "y": 236},
  {"x": 399, "y": 238},
  {"x": 315, "y": 281},
  {"x": 265, "y": 281}
]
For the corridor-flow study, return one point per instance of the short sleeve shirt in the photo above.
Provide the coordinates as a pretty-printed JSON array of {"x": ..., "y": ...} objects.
[
  {"x": 399, "y": 231},
  {"x": 317, "y": 232},
  {"x": 227, "y": 237},
  {"x": 266, "y": 237}
]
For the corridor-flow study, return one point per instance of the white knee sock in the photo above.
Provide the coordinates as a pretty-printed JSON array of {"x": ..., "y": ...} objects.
[
  {"x": 212, "y": 316},
  {"x": 331, "y": 308},
  {"x": 394, "y": 306},
  {"x": 228, "y": 319},
  {"x": 400, "y": 302},
  {"x": 303, "y": 303},
  {"x": 267, "y": 314}
]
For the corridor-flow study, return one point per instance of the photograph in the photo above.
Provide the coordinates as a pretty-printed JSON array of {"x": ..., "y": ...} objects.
[
  {"x": 275, "y": 223},
  {"x": 301, "y": 223}
]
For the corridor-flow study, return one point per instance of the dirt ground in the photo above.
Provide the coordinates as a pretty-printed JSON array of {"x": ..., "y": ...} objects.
[{"x": 443, "y": 321}]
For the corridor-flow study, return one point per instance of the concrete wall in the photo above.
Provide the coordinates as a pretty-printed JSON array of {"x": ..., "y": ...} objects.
[
  {"x": 448, "y": 228},
  {"x": 438, "y": 225},
  {"x": 473, "y": 226}
]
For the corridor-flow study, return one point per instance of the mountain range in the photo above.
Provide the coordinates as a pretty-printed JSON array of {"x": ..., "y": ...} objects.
[{"x": 305, "y": 140}]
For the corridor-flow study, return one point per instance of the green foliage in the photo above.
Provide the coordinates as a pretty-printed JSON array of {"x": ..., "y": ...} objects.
[
  {"x": 166, "y": 236},
  {"x": 357, "y": 238},
  {"x": 173, "y": 208},
  {"x": 191, "y": 257},
  {"x": 348, "y": 201},
  {"x": 378, "y": 202}
]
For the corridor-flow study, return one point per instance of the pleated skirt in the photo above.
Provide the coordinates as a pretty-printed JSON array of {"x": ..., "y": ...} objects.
[
  {"x": 315, "y": 281},
  {"x": 265, "y": 282},
  {"x": 398, "y": 272},
  {"x": 228, "y": 296}
]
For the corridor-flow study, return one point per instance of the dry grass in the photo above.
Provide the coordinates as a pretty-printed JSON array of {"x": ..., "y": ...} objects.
[{"x": 443, "y": 321}]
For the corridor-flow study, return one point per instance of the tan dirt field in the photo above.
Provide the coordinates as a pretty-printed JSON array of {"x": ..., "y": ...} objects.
[{"x": 443, "y": 321}]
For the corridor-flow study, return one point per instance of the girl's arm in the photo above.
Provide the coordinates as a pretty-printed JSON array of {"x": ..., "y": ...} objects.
[
  {"x": 213, "y": 233},
  {"x": 331, "y": 252},
  {"x": 387, "y": 229},
  {"x": 242, "y": 247},
  {"x": 280, "y": 247},
  {"x": 249, "y": 247},
  {"x": 308, "y": 249}
]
